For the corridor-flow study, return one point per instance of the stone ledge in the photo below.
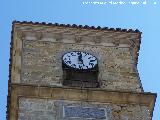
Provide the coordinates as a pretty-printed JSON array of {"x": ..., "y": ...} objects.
[{"x": 75, "y": 94}]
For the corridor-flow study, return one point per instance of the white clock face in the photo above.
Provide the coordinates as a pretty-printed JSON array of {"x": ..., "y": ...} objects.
[{"x": 80, "y": 60}]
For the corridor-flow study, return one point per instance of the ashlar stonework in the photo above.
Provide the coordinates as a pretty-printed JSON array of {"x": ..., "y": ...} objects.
[
  {"x": 36, "y": 89},
  {"x": 47, "y": 109},
  {"x": 117, "y": 68}
]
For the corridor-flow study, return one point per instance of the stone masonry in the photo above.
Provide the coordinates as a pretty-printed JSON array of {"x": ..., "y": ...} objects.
[
  {"x": 47, "y": 109},
  {"x": 36, "y": 90},
  {"x": 42, "y": 49}
]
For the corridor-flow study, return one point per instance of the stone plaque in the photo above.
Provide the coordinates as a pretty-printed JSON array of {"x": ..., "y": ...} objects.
[{"x": 92, "y": 113}]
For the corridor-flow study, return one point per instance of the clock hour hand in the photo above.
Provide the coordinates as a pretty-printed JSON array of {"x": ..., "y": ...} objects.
[{"x": 80, "y": 58}]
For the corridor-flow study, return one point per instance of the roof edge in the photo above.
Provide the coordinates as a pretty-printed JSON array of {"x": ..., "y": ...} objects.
[{"x": 78, "y": 26}]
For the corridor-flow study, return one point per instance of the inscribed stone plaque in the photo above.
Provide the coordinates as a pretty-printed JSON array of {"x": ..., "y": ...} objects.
[{"x": 92, "y": 113}]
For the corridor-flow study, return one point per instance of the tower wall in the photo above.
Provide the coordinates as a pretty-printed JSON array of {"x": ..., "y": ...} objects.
[
  {"x": 36, "y": 90},
  {"x": 41, "y": 49},
  {"x": 42, "y": 109}
]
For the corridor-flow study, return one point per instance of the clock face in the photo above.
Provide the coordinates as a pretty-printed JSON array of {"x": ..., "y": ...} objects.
[{"x": 80, "y": 60}]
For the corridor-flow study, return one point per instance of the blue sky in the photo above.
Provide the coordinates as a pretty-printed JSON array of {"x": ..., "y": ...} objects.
[{"x": 145, "y": 17}]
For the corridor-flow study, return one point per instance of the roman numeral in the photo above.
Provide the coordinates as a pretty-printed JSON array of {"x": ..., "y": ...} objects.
[
  {"x": 92, "y": 60},
  {"x": 68, "y": 62},
  {"x": 80, "y": 67},
  {"x": 73, "y": 65},
  {"x": 73, "y": 54},
  {"x": 91, "y": 64}
]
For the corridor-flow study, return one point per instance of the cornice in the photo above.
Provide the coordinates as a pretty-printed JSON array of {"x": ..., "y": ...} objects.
[
  {"x": 76, "y": 94},
  {"x": 79, "y": 26}
]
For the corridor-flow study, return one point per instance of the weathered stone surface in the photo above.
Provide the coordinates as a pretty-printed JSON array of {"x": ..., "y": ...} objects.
[
  {"x": 48, "y": 109},
  {"x": 39, "y": 50},
  {"x": 36, "y": 109},
  {"x": 36, "y": 91},
  {"x": 119, "y": 100},
  {"x": 41, "y": 64}
]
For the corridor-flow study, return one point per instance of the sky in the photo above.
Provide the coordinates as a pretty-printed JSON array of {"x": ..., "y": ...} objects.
[{"x": 135, "y": 14}]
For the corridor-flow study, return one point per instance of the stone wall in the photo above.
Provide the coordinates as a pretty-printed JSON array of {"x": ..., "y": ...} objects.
[
  {"x": 42, "y": 64},
  {"x": 48, "y": 109},
  {"x": 42, "y": 49},
  {"x": 35, "y": 88}
]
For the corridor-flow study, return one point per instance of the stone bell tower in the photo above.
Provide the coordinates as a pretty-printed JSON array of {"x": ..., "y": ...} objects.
[{"x": 64, "y": 72}]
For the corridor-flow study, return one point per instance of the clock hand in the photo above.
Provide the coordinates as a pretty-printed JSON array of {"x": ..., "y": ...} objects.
[{"x": 80, "y": 58}]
